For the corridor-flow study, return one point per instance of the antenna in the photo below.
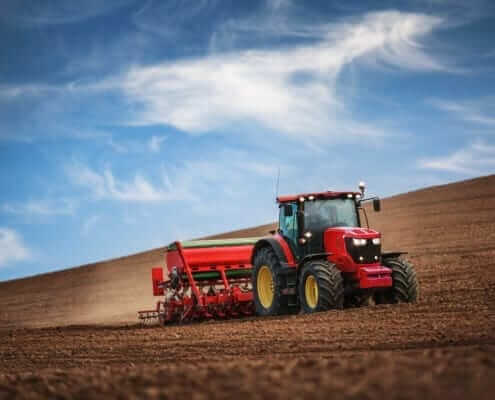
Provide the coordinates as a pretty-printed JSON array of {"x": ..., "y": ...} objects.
[
  {"x": 276, "y": 192},
  {"x": 277, "y": 184}
]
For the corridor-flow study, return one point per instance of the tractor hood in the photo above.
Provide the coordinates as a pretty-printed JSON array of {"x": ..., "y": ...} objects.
[
  {"x": 340, "y": 243},
  {"x": 334, "y": 239}
]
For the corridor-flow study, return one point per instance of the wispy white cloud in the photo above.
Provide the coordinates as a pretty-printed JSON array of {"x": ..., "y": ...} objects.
[
  {"x": 41, "y": 207},
  {"x": 481, "y": 111},
  {"x": 104, "y": 185},
  {"x": 223, "y": 180},
  {"x": 11, "y": 92},
  {"x": 272, "y": 19},
  {"x": 475, "y": 159},
  {"x": 291, "y": 91},
  {"x": 172, "y": 17},
  {"x": 226, "y": 171},
  {"x": 117, "y": 146},
  {"x": 135, "y": 145},
  {"x": 12, "y": 247},
  {"x": 155, "y": 143}
]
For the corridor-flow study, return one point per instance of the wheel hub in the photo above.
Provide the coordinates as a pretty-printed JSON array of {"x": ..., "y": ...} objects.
[
  {"x": 265, "y": 286},
  {"x": 311, "y": 291}
]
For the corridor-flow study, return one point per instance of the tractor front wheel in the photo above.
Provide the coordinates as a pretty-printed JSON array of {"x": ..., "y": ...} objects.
[
  {"x": 321, "y": 287},
  {"x": 404, "y": 283}
]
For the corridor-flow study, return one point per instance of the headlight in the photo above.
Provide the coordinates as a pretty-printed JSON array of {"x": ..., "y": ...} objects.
[
  {"x": 376, "y": 241},
  {"x": 308, "y": 235},
  {"x": 359, "y": 242}
]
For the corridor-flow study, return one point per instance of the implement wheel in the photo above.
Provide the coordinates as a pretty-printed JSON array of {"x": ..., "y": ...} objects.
[
  {"x": 266, "y": 281},
  {"x": 321, "y": 287},
  {"x": 404, "y": 283}
]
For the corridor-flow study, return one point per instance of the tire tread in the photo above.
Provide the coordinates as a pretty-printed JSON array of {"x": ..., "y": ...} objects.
[
  {"x": 405, "y": 284},
  {"x": 330, "y": 286}
]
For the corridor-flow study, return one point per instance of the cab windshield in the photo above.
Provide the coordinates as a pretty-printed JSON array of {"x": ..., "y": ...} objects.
[{"x": 327, "y": 213}]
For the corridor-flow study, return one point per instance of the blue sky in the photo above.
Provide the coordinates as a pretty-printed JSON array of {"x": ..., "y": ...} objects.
[{"x": 126, "y": 125}]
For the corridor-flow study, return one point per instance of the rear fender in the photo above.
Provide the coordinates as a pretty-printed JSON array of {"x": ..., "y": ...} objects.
[
  {"x": 288, "y": 266},
  {"x": 279, "y": 246}
]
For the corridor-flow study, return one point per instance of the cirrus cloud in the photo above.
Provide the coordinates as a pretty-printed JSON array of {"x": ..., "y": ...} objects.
[
  {"x": 104, "y": 185},
  {"x": 291, "y": 90},
  {"x": 478, "y": 111},
  {"x": 43, "y": 207},
  {"x": 477, "y": 158}
]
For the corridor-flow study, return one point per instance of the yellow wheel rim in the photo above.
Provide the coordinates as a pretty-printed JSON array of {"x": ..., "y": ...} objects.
[
  {"x": 311, "y": 291},
  {"x": 265, "y": 286}
]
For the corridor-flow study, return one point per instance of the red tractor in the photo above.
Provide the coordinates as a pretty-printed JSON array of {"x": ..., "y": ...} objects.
[{"x": 320, "y": 258}]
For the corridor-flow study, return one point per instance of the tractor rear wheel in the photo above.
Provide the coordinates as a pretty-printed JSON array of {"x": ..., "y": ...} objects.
[
  {"x": 321, "y": 287},
  {"x": 267, "y": 284},
  {"x": 404, "y": 283}
]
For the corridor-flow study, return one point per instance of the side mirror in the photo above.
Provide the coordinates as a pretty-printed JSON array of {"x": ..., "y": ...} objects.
[
  {"x": 377, "y": 206},
  {"x": 288, "y": 210}
]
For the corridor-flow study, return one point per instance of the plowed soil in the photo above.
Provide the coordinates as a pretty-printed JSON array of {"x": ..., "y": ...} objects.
[{"x": 441, "y": 347}]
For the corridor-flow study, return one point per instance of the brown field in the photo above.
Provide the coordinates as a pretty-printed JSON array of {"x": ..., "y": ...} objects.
[{"x": 73, "y": 334}]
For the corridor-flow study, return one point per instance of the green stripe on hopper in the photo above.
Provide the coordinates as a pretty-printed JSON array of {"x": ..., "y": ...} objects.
[
  {"x": 194, "y": 244},
  {"x": 234, "y": 273}
]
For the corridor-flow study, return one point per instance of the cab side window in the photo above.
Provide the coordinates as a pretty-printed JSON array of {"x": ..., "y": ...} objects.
[{"x": 288, "y": 223}]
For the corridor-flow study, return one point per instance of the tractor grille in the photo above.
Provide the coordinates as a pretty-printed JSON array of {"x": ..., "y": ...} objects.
[{"x": 368, "y": 252}]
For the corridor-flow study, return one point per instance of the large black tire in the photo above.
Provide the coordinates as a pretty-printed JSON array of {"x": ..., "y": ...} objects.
[
  {"x": 265, "y": 260},
  {"x": 330, "y": 287},
  {"x": 404, "y": 283}
]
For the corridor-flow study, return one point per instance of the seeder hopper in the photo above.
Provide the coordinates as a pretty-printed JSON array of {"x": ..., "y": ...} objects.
[{"x": 206, "y": 279}]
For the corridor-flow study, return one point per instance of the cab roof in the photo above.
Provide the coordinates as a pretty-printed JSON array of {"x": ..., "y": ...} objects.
[{"x": 318, "y": 195}]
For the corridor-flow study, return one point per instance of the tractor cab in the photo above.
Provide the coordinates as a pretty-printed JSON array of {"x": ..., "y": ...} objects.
[{"x": 305, "y": 219}]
